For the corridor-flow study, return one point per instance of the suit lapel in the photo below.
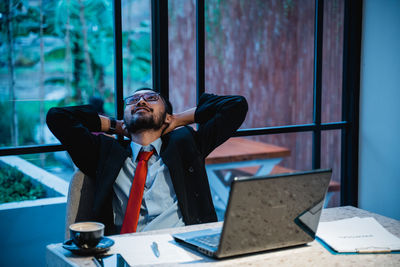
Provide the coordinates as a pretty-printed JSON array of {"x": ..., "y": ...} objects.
[
  {"x": 112, "y": 158},
  {"x": 172, "y": 158}
]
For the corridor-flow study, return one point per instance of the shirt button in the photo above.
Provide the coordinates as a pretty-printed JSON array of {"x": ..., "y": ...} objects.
[{"x": 191, "y": 170}]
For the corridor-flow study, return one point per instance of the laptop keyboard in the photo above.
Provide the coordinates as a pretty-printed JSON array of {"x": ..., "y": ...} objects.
[{"x": 209, "y": 240}]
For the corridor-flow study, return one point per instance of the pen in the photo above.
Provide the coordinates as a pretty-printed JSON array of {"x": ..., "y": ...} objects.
[
  {"x": 96, "y": 261},
  {"x": 374, "y": 250},
  {"x": 154, "y": 247}
]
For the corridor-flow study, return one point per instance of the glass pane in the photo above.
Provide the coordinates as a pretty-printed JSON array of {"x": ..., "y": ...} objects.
[
  {"x": 332, "y": 57},
  {"x": 299, "y": 146},
  {"x": 182, "y": 54},
  {"x": 330, "y": 151},
  {"x": 57, "y": 163},
  {"x": 256, "y": 155},
  {"x": 264, "y": 51},
  {"x": 54, "y": 53},
  {"x": 35, "y": 176},
  {"x": 136, "y": 42}
]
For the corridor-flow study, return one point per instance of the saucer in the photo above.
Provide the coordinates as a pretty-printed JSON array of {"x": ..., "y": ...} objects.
[{"x": 104, "y": 245}]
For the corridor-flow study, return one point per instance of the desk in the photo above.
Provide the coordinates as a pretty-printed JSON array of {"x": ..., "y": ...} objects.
[
  {"x": 312, "y": 254},
  {"x": 238, "y": 152}
]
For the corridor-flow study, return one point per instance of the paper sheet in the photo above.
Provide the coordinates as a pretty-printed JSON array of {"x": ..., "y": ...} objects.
[
  {"x": 361, "y": 235},
  {"x": 136, "y": 250}
]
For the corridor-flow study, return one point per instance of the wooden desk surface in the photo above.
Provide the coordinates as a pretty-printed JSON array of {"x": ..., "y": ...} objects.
[
  {"x": 242, "y": 149},
  {"x": 313, "y": 254}
]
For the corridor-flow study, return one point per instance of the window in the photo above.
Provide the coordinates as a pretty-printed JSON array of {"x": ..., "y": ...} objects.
[
  {"x": 265, "y": 50},
  {"x": 57, "y": 53},
  {"x": 136, "y": 45},
  {"x": 53, "y": 53},
  {"x": 301, "y": 60}
]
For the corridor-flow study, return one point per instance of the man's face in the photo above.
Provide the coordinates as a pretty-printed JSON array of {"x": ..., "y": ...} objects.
[{"x": 144, "y": 110}]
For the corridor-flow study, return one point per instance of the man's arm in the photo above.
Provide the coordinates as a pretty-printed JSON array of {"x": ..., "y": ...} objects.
[
  {"x": 73, "y": 127},
  {"x": 120, "y": 128},
  {"x": 219, "y": 117},
  {"x": 180, "y": 119}
]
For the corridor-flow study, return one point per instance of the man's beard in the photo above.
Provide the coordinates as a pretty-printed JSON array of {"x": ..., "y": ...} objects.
[{"x": 139, "y": 123}]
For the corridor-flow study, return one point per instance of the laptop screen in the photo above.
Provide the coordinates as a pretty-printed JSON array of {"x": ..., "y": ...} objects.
[{"x": 273, "y": 211}]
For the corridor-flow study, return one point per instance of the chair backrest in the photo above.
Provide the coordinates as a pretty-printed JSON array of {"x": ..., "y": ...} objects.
[{"x": 79, "y": 201}]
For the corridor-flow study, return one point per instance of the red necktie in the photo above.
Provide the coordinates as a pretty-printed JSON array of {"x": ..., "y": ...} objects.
[{"x": 136, "y": 194}]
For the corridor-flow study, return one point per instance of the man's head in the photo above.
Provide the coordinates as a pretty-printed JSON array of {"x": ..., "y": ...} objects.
[{"x": 146, "y": 109}]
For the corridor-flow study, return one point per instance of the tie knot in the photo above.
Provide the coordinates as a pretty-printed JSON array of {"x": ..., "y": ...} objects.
[{"x": 143, "y": 155}]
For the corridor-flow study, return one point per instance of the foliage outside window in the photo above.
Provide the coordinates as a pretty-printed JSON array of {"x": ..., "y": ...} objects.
[
  {"x": 16, "y": 186},
  {"x": 55, "y": 53}
]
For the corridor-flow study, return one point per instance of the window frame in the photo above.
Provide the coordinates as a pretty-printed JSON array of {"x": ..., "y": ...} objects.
[{"x": 349, "y": 125}]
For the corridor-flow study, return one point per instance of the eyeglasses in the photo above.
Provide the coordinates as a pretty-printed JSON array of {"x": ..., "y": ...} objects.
[{"x": 148, "y": 97}]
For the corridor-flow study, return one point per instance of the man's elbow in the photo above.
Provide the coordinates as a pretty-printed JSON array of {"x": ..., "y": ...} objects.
[
  {"x": 52, "y": 116},
  {"x": 242, "y": 106},
  {"x": 244, "y": 103}
]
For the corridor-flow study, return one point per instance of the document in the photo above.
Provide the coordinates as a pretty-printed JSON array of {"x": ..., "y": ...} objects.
[
  {"x": 150, "y": 250},
  {"x": 359, "y": 235}
]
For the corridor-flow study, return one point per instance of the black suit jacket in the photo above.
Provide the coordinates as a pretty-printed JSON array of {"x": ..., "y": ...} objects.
[{"x": 183, "y": 151}]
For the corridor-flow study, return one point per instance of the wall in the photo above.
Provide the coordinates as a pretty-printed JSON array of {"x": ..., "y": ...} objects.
[
  {"x": 379, "y": 169},
  {"x": 27, "y": 227}
]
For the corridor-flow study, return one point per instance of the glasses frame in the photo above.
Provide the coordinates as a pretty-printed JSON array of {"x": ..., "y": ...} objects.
[{"x": 144, "y": 96}]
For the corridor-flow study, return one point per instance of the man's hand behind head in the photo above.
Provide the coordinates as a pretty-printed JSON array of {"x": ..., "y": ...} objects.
[
  {"x": 180, "y": 119},
  {"x": 121, "y": 129}
]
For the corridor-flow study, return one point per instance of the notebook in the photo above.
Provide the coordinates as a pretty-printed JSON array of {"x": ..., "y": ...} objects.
[
  {"x": 265, "y": 213},
  {"x": 357, "y": 235}
]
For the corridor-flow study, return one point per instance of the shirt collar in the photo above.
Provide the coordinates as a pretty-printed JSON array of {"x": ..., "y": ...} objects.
[{"x": 136, "y": 148}]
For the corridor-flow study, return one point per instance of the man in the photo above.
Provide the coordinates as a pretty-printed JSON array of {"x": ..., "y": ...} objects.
[{"x": 176, "y": 190}]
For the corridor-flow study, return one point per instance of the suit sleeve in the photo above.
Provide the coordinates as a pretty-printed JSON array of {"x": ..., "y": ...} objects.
[
  {"x": 219, "y": 117},
  {"x": 73, "y": 127}
]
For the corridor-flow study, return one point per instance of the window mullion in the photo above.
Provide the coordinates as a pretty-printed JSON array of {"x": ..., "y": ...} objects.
[
  {"x": 118, "y": 73},
  {"x": 200, "y": 49},
  {"x": 317, "y": 83},
  {"x": 159, "y": 40}
]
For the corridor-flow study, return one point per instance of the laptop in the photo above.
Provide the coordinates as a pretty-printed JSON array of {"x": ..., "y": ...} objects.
[{"x": 265, "y": 213}]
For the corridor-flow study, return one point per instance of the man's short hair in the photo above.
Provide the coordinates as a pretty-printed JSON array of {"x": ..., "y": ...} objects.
[{"x": 167, "y": 104}]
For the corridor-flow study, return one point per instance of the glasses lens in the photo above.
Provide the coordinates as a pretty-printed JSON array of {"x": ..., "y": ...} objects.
[
  {"x": 131, "y": 100},
  {"x": 149, "y": 97}
]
